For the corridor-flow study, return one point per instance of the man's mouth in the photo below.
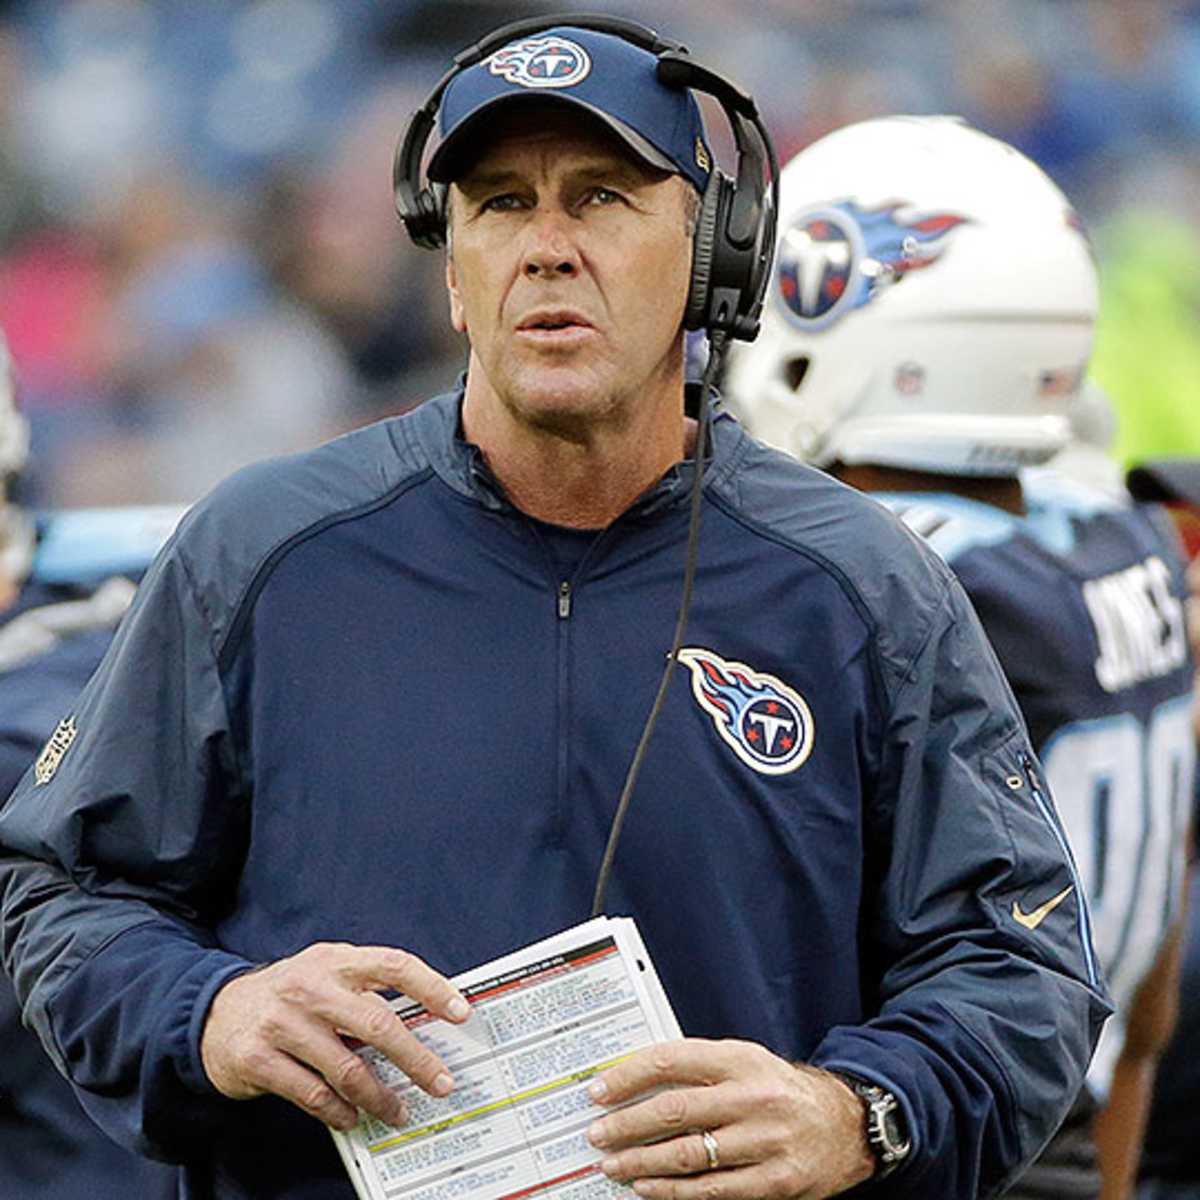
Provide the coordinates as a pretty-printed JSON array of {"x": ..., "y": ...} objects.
[{"x": 553, "y": 322}]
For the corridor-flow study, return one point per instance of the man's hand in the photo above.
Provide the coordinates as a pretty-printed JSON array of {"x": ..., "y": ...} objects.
[
  {"x": 780, "y": 1130},
  {"x": 278, "y": 1030}
]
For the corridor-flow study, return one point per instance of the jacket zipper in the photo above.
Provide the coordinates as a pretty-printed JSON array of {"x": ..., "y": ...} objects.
[{"x": 563, "y": 764}]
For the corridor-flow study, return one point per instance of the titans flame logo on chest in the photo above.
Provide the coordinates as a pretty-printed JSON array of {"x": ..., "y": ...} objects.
[{"x": 766, "y": 723}]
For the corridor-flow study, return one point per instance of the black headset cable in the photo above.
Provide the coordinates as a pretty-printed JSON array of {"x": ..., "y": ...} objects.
[{"x": 718, "y": 342}]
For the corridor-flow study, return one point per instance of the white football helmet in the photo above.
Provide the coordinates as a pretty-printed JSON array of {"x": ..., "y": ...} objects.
[{"x": 931, "y": 305}]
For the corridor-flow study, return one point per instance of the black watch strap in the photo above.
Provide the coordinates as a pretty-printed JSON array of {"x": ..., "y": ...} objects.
[{"x": 885, "y": 1127}]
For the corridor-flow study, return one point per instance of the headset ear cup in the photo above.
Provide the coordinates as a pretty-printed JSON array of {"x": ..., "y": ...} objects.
[
  {"x": 424, "y": 217},
  {"x": 704, "y": 242}
]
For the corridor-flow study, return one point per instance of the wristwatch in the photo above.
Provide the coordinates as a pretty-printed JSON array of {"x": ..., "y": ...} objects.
[{"x": 886, "y": 1134}]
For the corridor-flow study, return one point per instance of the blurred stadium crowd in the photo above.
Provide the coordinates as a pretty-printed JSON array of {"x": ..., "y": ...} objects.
[{"x": 200, "y": 265}]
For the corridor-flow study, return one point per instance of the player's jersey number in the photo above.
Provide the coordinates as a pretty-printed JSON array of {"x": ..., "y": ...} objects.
[{"x": 1124, "y": 792}]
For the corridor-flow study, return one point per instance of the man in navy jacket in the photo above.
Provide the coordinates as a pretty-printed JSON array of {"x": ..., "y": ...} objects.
[{"x": 367, "y": 721}]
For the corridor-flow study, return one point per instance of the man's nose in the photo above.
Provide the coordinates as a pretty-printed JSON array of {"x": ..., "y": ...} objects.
[{"x": 550, "y": 245}]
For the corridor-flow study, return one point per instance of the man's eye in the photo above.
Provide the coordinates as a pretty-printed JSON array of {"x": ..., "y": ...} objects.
[
  {"x": 604, "y": 196},
  {"x": 503, "y": 203}
]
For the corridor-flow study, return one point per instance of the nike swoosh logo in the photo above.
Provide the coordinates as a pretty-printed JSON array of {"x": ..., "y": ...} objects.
[{"x": 1031, "y": 920}]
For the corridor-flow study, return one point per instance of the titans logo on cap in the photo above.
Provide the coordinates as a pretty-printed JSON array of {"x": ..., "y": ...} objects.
[
  {"x": 766, "y": 723},
  {"x": 836, "y": 259},
  {"x": 542, "y": 62}
]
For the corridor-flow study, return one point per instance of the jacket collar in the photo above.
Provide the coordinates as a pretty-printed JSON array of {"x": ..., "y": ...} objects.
[{"x": 437, "y": 428}]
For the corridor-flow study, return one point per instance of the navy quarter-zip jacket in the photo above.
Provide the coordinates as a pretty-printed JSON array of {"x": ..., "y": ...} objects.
[{"x": 356, "y": 699}]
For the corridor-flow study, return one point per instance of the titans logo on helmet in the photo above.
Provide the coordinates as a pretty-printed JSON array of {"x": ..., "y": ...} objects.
[
  {"x": 766, "y": 723},
  {"x": 542, "y": 62},
  {"x": 836, "y": 259}
]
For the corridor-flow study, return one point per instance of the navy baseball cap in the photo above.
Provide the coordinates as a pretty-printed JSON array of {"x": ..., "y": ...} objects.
[{"x": 612, "y": 79}]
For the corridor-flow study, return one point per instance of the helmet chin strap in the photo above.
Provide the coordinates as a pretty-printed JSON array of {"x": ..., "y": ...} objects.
[
  {"x": 808, "y": 439},
  {"x": 811, "y": 446}
]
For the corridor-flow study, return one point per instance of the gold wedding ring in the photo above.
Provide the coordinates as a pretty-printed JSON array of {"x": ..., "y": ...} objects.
[{"x": 710, "y": 1148}]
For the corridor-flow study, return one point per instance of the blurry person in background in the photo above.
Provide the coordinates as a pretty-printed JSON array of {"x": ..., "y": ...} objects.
[
  {"x": 211, "y": 366},
  {"x": 1169, "y": 1168},
  {"x": 925, "y": 339},
  {"x": 325, "y": 232},
  {"x": 65, "y": 581},
  {"x": 1175, "y": 483}
]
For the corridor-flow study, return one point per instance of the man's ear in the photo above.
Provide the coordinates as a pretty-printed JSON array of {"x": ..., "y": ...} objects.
[{"x": 458, "y": 317}]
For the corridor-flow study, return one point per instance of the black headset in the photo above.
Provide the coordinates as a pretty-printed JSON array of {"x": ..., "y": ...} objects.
[{"x": 734, "y": 239}]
